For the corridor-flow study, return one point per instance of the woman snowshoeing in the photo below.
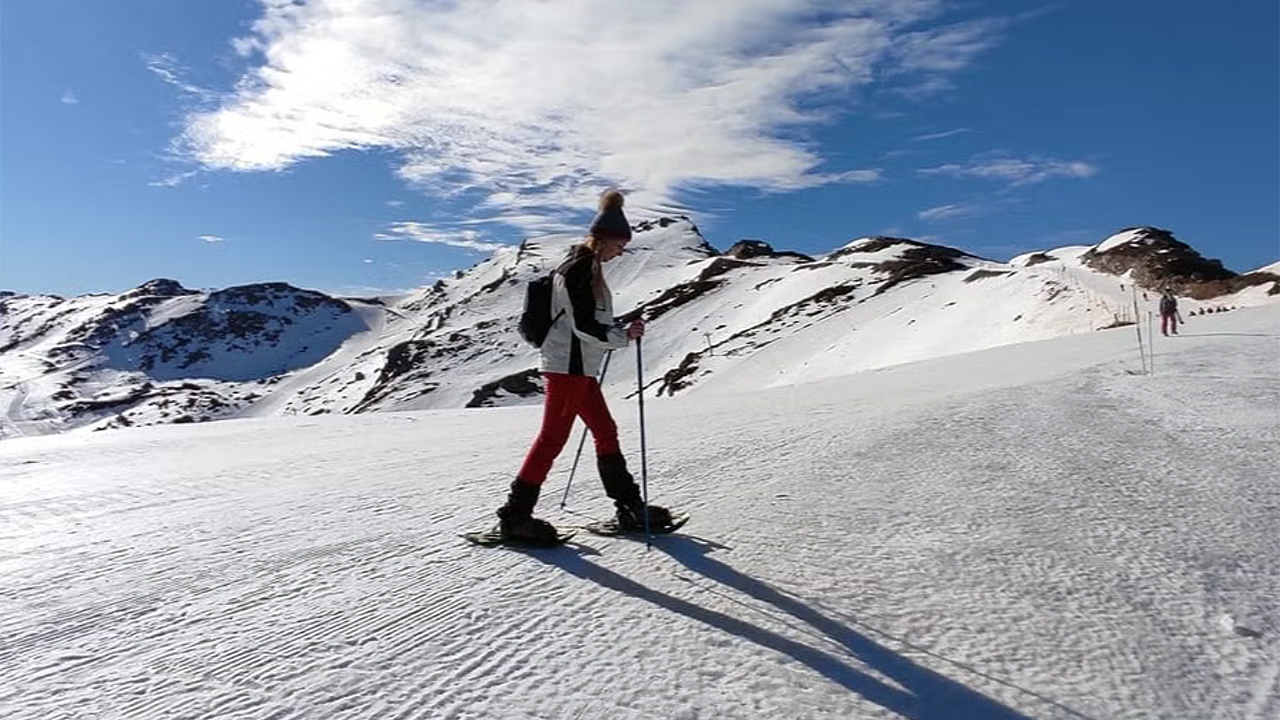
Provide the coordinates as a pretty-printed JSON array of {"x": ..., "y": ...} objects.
[
  {"x": 583, "y": 331},
  {"x": 1169, "y": 315}
]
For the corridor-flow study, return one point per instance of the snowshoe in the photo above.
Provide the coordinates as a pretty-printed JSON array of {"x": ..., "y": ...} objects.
[
  {"x": 661, "y": 522},
  {"x": 540, "y": 538},
  {"x": 528, "y": 529}
]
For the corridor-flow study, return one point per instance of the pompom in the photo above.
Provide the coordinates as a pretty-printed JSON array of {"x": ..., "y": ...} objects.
[{"x": 611, "y": 199}]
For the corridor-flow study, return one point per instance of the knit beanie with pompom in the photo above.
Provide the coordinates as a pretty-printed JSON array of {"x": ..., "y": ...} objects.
[{"x": 610, "y": 221}]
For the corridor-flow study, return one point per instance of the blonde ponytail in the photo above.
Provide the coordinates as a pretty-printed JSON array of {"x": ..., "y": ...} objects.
[{"x": 598, "y": 285}]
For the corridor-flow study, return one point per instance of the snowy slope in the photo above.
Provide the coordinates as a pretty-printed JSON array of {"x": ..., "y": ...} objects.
[
  {"x": 717, "y": 322},
  {"x": 1273, "y": 268},
  {"x": 1030, "y": 531}
]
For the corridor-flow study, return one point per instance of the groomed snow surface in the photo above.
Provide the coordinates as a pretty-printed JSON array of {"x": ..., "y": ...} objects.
[{"x": 1033, "y": 531}]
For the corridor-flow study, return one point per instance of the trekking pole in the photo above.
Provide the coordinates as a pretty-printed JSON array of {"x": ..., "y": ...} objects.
[
  {"x": 1137, "y": 325},
  {"x": 644, "y": 460},
  {"x": 1151, "y": 336},
  {"x": 604, "y": 368}
]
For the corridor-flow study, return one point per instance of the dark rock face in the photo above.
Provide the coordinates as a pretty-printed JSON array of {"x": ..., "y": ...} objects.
[
  {"x": 983, "y": 273},
  {"x": 1158, "y": 261},
  {"x": 1218, "y": 288},
  {"x": 914, "y": 260},
  {"x": 918, "y": 262},
  {"x": 403, "y": 359},
  {"x": 872, "y": 245},
  {"x": 681, "y": 376},
  {"x": 720, "y": 266},
  {"x": 527, "y": 383},
  {"x": 661, "y": 222},
  {"x": 748, "y": 249},
  {"x": 673, "y": 298}
]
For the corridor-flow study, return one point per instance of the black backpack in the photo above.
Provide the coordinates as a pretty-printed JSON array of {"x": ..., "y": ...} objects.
[{"x": 535, "y": 319}]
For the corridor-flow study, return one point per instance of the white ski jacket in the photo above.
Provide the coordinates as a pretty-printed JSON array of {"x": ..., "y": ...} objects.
[{"x": 584, "y": 327}]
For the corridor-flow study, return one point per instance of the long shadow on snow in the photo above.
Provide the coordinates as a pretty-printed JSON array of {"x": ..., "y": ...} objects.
[
  {"x": 930, "y": 687},
  {"x": 928, "y": 695},
  {"x": 1227, "y": 334}
]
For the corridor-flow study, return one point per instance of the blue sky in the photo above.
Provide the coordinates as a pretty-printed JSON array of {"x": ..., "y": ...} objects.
[{"x": 373, "y": 146}]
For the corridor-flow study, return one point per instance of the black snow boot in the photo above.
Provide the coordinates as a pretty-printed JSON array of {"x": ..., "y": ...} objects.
[
  {"x": 516, "y": 520},
  {"x": 621, "y": 487}
]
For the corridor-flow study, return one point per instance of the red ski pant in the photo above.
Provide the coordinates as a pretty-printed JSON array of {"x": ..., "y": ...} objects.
[
  {"x": 1168, "y": 323},
  {"x": 568, "y": 397}
]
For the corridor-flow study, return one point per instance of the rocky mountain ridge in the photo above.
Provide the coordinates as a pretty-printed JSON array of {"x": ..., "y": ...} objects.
[{"x": 751, "y": 316}]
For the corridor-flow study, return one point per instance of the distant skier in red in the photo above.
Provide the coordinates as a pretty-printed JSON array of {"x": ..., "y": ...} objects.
[
  {"x": 572, "y": 351},
  {"x": 1169, "y": 315}
]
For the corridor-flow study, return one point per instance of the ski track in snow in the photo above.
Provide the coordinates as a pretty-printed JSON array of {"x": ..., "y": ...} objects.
[{"x": 1058, "y": 547}]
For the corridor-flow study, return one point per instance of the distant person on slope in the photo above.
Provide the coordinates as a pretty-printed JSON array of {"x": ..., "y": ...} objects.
[
  {"x": 573, "y": 349},
  {"x": 1169, "y": 315}
]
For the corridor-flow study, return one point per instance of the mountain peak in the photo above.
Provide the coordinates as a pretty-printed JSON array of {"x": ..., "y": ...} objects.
[
  {"x": 1141, "y": 236},
  {"x": 159, "y": 287},
  {"x": 1157, "y": 260},
  {"x": 673, "y": 232}
]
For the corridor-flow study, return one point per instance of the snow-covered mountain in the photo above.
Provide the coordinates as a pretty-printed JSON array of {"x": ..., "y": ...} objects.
[
  {"x": 749, "y": 317},
  {"x": 160, "y": 353}
]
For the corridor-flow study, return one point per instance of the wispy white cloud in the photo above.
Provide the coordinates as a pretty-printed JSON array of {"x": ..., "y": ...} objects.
[
  {"x": 166, "y": 67},
  {"x": 537, "y": 106},
  {"x": 947, "y": 212},
  {"x": 435, "y": 235},
  {"x": 1014, "y": 170},
  {"x": 536, "y": 221},
  {"x": 211, "y": 239},
  {"x": 941, "y": 135},
  {"x": 933, "y": 55},
  {"x": 947, "y": 48},
  {"x": 70, "y": 98},
  {"x": 856, "y": 176},
  {"x": 174, "y": 180}
]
